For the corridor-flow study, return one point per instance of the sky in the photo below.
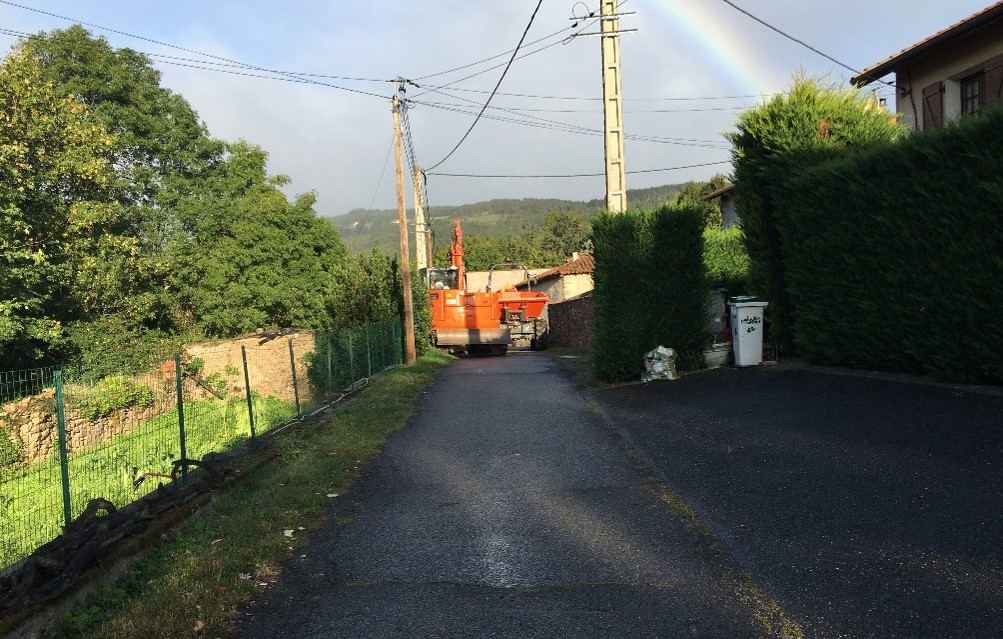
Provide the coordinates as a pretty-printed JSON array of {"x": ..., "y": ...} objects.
[{"x": 687, "y": 71}]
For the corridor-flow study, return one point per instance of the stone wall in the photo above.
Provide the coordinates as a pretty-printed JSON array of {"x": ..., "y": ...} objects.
[
  {"x": 32, "y": 420},
  {"x": 571, "y": 322},
  {"x": 268, "y": 365}
]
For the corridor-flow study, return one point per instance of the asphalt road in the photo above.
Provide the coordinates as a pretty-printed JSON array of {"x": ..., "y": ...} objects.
[
  {"x": 508, "y": 508},
  {"x": 866, "y": 508}
]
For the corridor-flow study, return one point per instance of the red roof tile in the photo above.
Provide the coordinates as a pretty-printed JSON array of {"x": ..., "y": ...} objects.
[{"x": 584, "y": 265}]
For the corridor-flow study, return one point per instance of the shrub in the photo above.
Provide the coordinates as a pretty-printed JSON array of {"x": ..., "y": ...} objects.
[
  {"x": 11, "y": 449},
  {"x": 726, "y": 262},
  {"x": 111, "y": 394}
]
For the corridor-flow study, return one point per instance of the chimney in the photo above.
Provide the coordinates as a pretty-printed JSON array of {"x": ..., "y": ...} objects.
[{"x": 574, "y": 256}]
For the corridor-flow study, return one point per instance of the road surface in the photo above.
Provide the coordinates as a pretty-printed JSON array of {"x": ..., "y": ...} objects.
[{"x": 508, "y": 508}]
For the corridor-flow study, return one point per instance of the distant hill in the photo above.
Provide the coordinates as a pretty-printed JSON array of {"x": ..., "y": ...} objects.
[{"x": 363, "y": 228}]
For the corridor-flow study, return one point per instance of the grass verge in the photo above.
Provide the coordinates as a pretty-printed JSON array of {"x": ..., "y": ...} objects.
[{"x": 193, "y": 583}]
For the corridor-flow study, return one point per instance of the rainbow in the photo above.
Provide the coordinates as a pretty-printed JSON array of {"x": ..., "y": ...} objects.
[{"x": 730, "y": 53}]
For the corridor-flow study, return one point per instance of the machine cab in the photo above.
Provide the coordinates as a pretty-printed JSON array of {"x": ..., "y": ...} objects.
[{"x": 441, "y": 278}]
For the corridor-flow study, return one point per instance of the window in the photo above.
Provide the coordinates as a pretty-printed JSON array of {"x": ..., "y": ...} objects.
[{"x": 973, "y": 94}]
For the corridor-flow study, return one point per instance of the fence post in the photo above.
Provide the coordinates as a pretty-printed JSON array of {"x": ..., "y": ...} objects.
[
  {"x": 369, "y": 353},
  {"x": 179, "y": 378},
  {"x": 292, "y": 367},
  {"x": 247, "y": 388},
  {"x": 351, "y": 358},
  {"x": 330, "y": 380},
  {"x": 64, "y": 462}
]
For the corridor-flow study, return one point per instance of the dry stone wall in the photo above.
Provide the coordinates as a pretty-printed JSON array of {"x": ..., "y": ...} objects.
[
  {"x": 32, "y": 420},
  {"x": 571, "y": 323}
]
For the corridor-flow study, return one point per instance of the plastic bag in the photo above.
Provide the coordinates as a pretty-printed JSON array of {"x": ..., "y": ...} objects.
[{"x": 659, "y": 363}]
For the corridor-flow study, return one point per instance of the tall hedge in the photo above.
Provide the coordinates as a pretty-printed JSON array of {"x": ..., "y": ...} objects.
[
  {"x": 622, "y": 248},
  {"x": 650, "y": 288},
  {"x": 894, "y": 254},
  {"x": 810, "y": 118}
]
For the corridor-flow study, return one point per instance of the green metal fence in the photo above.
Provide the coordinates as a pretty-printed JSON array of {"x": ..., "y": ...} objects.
[{"x": 64, "y": 441}]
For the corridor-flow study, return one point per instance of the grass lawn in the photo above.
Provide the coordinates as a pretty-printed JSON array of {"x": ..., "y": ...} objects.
[
  {"x": 31, "y": 500},
  {"x": 193, "y": 582}
]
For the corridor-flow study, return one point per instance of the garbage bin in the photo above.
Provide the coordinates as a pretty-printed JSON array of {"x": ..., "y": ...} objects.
[{"x": 747, "y": 329}]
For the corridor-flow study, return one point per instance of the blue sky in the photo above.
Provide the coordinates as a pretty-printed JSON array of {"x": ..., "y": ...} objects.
[{"x": 686, "y": 56}]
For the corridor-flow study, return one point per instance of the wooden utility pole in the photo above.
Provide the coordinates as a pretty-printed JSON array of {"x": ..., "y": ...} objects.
[
  {"x": 616, "y": 172},
  {"x": 421, "y": 248},
  {"x": 405, "y": 253}
]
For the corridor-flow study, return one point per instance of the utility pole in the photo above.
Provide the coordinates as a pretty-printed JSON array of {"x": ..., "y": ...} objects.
[
  {"x": 405, "y": 253},
  {"x": 616, "y": 171},
  {"x": 421, "y": 248}
]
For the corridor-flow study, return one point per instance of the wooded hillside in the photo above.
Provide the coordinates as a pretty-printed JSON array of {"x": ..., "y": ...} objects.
[{"x": 361, "y": 229}]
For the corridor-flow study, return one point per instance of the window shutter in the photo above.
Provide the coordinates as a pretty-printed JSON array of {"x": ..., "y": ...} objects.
[
  {"x": 933, "y": 106},
  {"x": 994, "y": 79}
]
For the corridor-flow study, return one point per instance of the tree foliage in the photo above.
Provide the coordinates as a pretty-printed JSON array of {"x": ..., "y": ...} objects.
[
  {"x": 127, "y": 229},
  {"x": 54, "y": 200},
  {"x": 693, "y": 194},
  {"x": 560, "y": 235}
]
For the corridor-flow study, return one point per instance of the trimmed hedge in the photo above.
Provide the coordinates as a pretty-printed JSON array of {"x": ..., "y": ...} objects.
[
  {"x": 650, "y": 288},
  {"x": 894, "y": 254},
  {"x": 810, "y": 118}
]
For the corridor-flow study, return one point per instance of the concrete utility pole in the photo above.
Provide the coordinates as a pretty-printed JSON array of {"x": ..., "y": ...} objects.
[
  {"x": 616, "y": 171},
  {"x": 421, "y": 230},
  {"x": 405, "y": 253}
]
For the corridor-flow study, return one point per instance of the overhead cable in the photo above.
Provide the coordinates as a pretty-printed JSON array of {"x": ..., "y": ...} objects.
[
  {"x": 568, "y": 128},
  {"x": 498, "y": 84},
  {"x": 500, "y": 55},
  {"x": 793, "y": 39},
  {"x": 579, "y": 175},
  {"x": 180, "y": 48}
]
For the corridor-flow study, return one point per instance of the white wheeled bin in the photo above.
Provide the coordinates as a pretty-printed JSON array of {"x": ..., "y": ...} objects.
[{"x": 747, "y": 329}]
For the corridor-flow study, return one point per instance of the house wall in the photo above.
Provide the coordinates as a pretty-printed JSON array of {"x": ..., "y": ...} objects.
[
  {"x": 729, "y": 215},
  {"x": 559, "y": 289},
  {"x": 478, "y": 280},
  {"x": 948, "y": 63}
]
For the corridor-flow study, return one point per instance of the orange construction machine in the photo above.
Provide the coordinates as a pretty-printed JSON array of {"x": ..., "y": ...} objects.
[{"x": 487, "y": 321}]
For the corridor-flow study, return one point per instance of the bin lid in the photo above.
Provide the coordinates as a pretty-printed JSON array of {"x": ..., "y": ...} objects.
[{"x": 747, "y": 300}]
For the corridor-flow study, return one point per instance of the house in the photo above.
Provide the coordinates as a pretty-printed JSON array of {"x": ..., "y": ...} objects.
[
  {"x": 954, "y": 72},
  {"x": 726, "y": 194},
  {"x": 571, "y": 279},
  {"x": 568, "y": 314}
]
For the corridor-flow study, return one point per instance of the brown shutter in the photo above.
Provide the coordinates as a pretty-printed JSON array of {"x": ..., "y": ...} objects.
[
  {"x": 933, "y": 106},
  {"x": 994, "y": 79}
]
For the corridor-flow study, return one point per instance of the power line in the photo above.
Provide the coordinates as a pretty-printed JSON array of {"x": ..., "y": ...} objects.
[
  {"x": 241, "y": 65},
  {"x": 500, "y": 55},
  {"x": 511, "y": 60},
  {"x": 179, "y": 48},
  {"x": 430, "y": 88},
  {"x": 793, "y": 39},
  {"x": 282, "y": 78},
  {"x": 575, "y": 128},
  {"x": 568, "y": 128},
  {"x": 580, "y": 175},
  {"x": 595, "y": 112},
  {"x": 506, "y": 65}
]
